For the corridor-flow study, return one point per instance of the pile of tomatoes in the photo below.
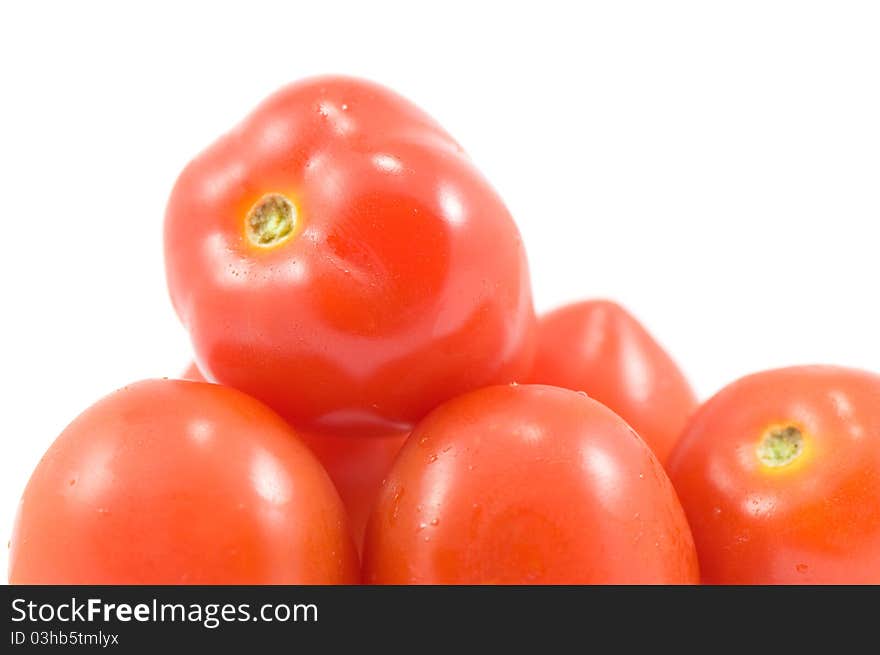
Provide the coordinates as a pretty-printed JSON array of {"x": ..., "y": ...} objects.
[{"x": 374, "y": 400}]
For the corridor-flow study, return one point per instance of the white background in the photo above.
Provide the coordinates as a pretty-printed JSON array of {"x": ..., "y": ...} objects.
[{"x": 714, "y": 166}]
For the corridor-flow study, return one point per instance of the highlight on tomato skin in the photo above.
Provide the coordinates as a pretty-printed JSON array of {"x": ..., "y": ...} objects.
[
  {"x": 357, "y": 466},
  {"x": 598, "y": 347},
  {"x": 779, "y": 474},
  {"x": 329, "y": 257},
  {"x": 180, "y": 482},
  {"x": 527, "y": 484}
]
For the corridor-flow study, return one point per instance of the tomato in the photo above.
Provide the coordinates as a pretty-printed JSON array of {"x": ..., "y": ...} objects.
[
  {"x": 600, "y": 348},
  {"x": 779, "y": 474},
  {"x": 356, "y": 466},
  {"x": 193, "y": 373},
  {"x": 339, "y": 257},
  {"x": 173, "y": 482},
  {"x": 527, "y": 484}
]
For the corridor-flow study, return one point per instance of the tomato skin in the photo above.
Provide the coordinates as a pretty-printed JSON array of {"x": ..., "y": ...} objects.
[
  {"x": 814, "y": 520},
  {"x": 193, "y": 373},
  {"x": 386, "y": 300},
  {"x": 600, "y": 348},
  {"x": 527, "y": 485},
  {"x": 178, "y": 482},
  {"x": 356, "y": 466}
]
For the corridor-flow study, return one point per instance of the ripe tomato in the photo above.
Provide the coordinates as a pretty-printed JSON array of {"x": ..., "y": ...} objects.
[
  {"x": 193, "y": 373},
  {"x": 356, "y": 466},
  {"x": 172, "y": 482},
  {"x": 600, "y": 348},
  {"x": 339, "y": 257},
  {"x": 527, "y": 484},
  {"x": 779, "y": 474}
]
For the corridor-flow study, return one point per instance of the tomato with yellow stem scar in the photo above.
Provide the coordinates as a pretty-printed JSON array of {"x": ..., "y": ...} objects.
[
  {"x": 339, "y": 257},
  {"x": 779, "y": 475}
]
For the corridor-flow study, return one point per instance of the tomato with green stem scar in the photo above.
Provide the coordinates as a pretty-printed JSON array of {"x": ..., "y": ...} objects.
[
  {"x": 779, "y": 474},
  {"x": 339, "y": 257}
]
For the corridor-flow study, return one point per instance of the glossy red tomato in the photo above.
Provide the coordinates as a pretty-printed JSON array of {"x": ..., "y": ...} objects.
[
  {"x": 356, "y": 466},
  {"x": 177, "y": 482},
  {"x": 599, "y": 347},
  {"x": 527, "y": 484},
  {"x": 780, "y": 476},
  {"x": 339, "y": 257}
]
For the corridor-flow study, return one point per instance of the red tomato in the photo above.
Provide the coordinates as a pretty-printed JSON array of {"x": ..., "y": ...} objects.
[
  {"x": 527, "y": 484},
  {"x": 339, "y": 257},
  {"x": 173, "y": 482},
  {"x": 356, "y": 466},
  {"x": 600, "y": 348},
  {"x": 193, "y": 373},
  {"x": 780, "y": 476}
]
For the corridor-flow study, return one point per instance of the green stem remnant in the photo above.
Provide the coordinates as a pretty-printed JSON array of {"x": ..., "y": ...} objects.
[
  {"x": 780, "y": 446},
  {"x": 271, "y": 220}
]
